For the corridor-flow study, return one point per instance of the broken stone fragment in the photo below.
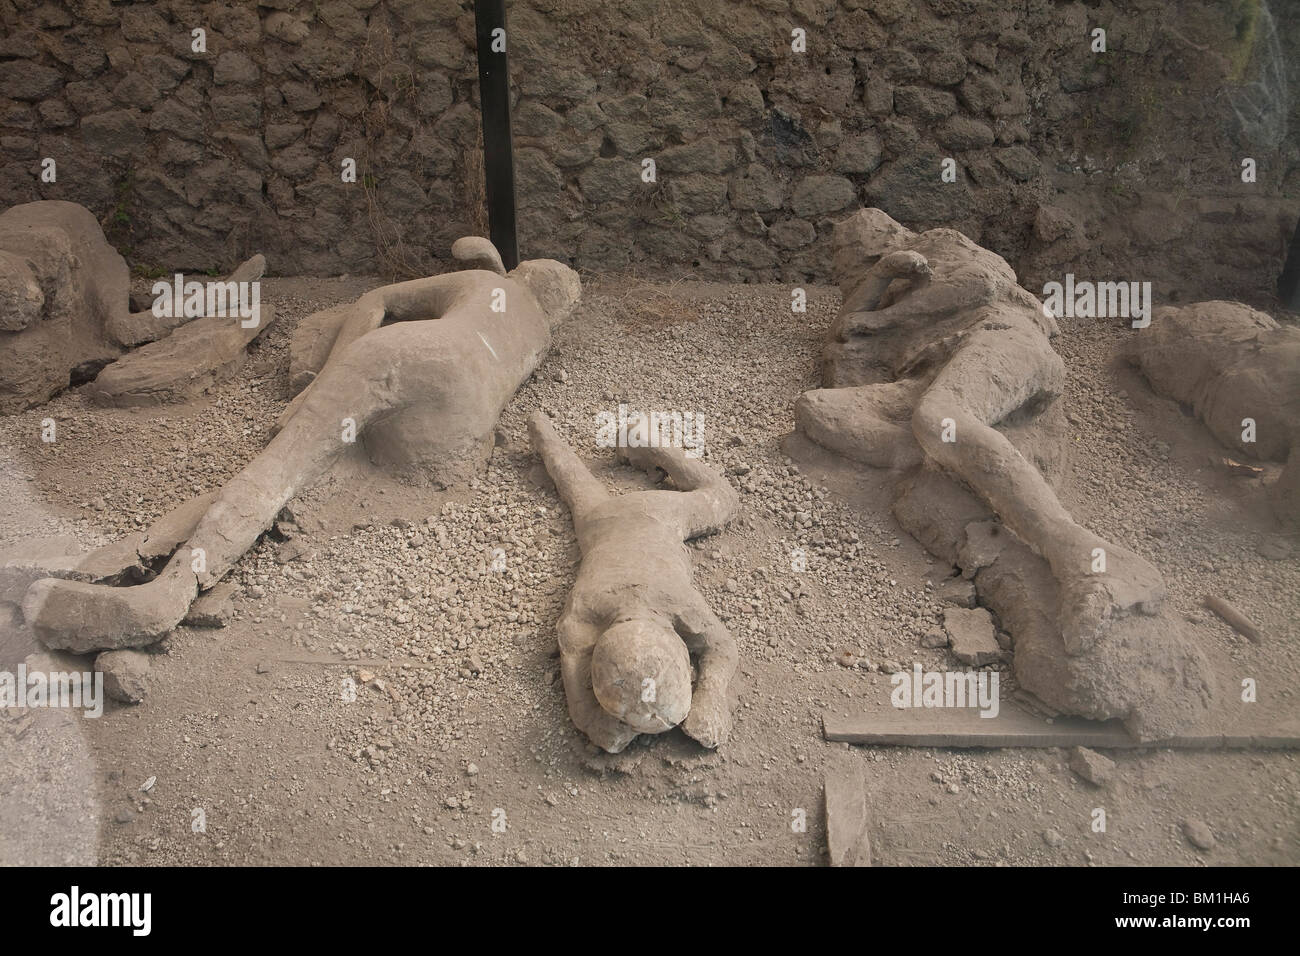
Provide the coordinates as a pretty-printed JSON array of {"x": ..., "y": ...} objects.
[
  {"x": 1198, "y": 833},
  {"x": 213, "y": 608},
  {"x": 125, "y": 675},
  {"x": 1092, "y": 766},
  {"x": 291, "y": 551},
  {"x": 934, "y": 638},
  {"x": 958, "y": 592},
  {"x": 972, "y": 636}
]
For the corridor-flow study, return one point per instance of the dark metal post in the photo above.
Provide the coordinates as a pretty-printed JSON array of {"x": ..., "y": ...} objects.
[
  {"x": 1288, "y": 285},
  {"x": 498, "y": 147}
]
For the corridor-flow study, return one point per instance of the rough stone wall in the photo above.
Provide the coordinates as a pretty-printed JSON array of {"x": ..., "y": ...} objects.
[{"x": 1122, "y": 165}]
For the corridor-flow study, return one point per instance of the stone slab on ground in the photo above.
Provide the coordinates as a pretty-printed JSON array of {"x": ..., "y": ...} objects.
[
  {"x": 974, "y": 640},
  {"x": 1092, "y": 766},
  {"x": 125, "y": 675},
  {"x": 964, "y": 727},
  {"x": 847, "y": 820},
  {"x": 213, "y": 608}
]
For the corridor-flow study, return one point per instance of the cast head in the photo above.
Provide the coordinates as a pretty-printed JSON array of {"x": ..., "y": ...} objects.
[{"x": 641, "y": 673}]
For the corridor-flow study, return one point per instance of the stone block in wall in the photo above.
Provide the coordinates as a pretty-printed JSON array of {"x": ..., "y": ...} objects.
[
  {"x": 554, "y": 83},
  {"x": 901, "y": 135},
  {"x": 78, "y": 51},
  {"x": 1020, "y": 164},
  {"x": 923, "y": 103},
  {"x": 17, "y": 115},
  {"x": 610, "y": 180},
  {"x": 142, "y": 23},
  {"x": 250, "y": 149},
  {"x": 910, "y": 190},
  {"x": 325, "y": 131},
  {"x": 792, "y": 233},
  {"x": 744, "y": 103},
  {"x": 708, "y": 227},
  {"x": 234, "y": 68},
  {"x": 163, "y": 71},
  {"x": 135, "y": 90},
  {"x": 831, "y": 91},
  {"x": 857, "y": 30},
  {"x": 898, "y": 64},
  {"x": 432, "y": 95},
  {"x": 1015, "y": 102},
  {"x": 694, "y": 99},
  {"x": 858, "y": 154},
  {"x": 979, "y": 93},
  {"x": 573, "y": 153},
  {"x": 439, "y": 49},
  {"x": 586, "y": 117},
  {"x": 29, "y": 81},
  {"x": 535, "y": 174},
  {"x": 295, "y": 163},
  {"x": 20, "y": 45},
  {"x": 666, "y": 244},
  {"x": 757, "y": 189},
  {"x": 605, "y": 249},
  {"x": 708, "y": 155},
  {"x": 945, "y": 68},
  {"x": 172, "y": 117},
  {"x": 285, "y": 27},
  {"x": 818, "y": 195},
  {"x": 116, "y": 133},
  {"x": 343, "y": 20},
  {"x": 634, "y": 139},
  {"x": 179, "y": 152},
  {"x": 725, "y": 60},
  {"x": 963, "y": 132},
  {"x": 300, "y": 97},
  {"x": 18, "y": 147},
  {"x": 323, "y": 58},
  {"x": 279, "y": 135},
  {"x": 534, "y": 119},
  {"x": 55, "y": 114},
  {"x": 241, "y": 109},
  {"x": 752, "y": 253},
  {"x": 878, "y": 96},
  {"x": 696, "y": 194}
]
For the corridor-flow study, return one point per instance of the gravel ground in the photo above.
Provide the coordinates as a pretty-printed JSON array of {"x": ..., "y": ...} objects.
[{"x": 459, "y": 720}]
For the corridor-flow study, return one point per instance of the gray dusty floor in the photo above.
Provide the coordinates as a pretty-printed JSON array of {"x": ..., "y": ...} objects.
[{"x": 460, "y": 719}]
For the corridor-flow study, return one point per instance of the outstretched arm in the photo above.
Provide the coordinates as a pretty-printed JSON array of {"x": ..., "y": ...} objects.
[
  {"x": 707, "y": 501},
  {"x": 575, "y": 483}
]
